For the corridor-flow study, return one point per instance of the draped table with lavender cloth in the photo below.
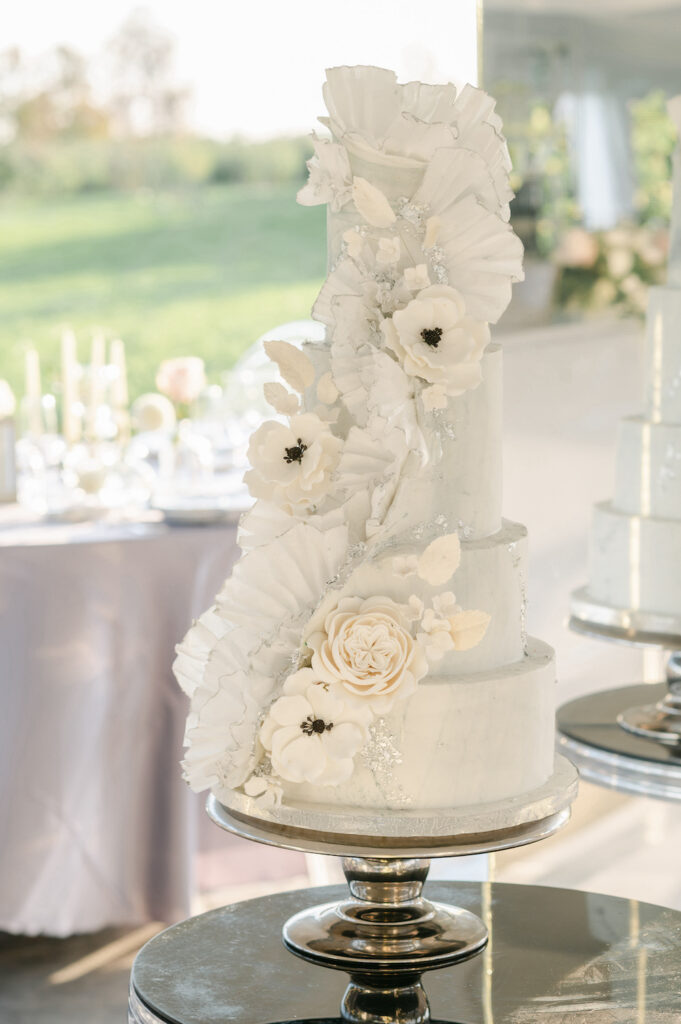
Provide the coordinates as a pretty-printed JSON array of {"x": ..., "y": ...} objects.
[{"x": 96, "y": 825}]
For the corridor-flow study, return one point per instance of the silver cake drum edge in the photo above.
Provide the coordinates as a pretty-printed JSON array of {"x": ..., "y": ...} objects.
[
  {"x": 439, "y": 832},
  {"x": 621, "y": 773},
  {"x": 623, "y": 625}
]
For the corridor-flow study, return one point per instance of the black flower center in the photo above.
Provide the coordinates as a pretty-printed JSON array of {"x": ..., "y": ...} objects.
[
  {"x": 295, "y": 454},
  {"x": 313, "y": 725},
  {"x": 432, "y": 336}
]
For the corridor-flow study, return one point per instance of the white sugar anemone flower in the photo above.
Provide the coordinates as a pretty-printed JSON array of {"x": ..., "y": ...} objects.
[
  {"x": 435, "y": 340},
  {"x": 293, "y": 464},
  {"x": 313, "y": 731}
]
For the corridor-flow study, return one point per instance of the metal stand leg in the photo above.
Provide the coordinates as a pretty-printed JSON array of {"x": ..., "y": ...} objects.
[
  {"x": 662, "y": 721},
  {"x": 385, "y": 936}
]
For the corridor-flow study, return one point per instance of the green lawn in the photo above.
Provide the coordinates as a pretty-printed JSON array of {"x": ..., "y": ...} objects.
[{"x": 198, "y": 272}]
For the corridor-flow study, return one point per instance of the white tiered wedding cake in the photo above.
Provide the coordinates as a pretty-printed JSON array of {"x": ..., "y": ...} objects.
[
  {"x": 369, "y": 652},
  {"x": 635, "y": 547}
]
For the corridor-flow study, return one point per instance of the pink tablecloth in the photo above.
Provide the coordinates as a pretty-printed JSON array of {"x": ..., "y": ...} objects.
[{"x": 96, "y": 825}]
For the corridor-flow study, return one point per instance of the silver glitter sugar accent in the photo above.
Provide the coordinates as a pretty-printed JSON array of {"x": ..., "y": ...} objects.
[
  {"x": 465, "y": 529},
  {"x": 522, "y": 577},
  {"x": 380, "y": 756},
  {"x": 263, "y": 769},
  {"x": 436, "y": 255},
  {"x": 443, "y": 425},
  {"x": 413, "y": 213}
]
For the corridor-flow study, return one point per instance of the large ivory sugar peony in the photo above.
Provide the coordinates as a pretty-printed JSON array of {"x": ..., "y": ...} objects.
[
  {"x": 366, "y": 644},
  {"x": 293, "y": 464},
  {"x": 435, "y": 340},
  {"x": 313, "y": 731}
]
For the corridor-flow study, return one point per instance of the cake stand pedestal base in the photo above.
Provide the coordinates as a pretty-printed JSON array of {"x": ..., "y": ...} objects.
[
  {"x": 385, "y": 935},
  {"x": 660, "y": 721}
]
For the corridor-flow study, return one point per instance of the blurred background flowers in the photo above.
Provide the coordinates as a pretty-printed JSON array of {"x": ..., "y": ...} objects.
[{"x": 142, "y": 199}]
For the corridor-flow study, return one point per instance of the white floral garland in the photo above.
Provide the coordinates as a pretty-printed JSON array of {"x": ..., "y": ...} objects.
[{"x": 285, "y": 676}]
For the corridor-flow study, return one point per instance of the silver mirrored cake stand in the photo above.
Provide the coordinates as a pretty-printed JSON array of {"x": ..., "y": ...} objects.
[
  {"x": 386, "y": 934},
  {"x": 608, "y": 734}
]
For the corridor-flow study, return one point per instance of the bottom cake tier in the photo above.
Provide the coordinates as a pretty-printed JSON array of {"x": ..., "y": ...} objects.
[
  {"x": 456, "y": 743},
  {"x": 634, "y": 561}
]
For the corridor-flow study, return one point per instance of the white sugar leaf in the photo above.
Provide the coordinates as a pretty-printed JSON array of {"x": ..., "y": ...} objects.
[
  {"x": 281, "y": 400},
  {"x": 327, "y": 392},
  {"x": 432, "y": 231},
  {"x": 294, "y": 365},
  {"x": 372, "y": 204},
  {"x": 440, "y": 560},
  {"x": 468, "y": 628}
]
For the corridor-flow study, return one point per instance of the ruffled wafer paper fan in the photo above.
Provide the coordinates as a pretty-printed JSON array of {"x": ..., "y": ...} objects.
[
  {"x": 376, "y": 116},
  {"x": 454, "y": 174},
  {"x": 483, "y": 257},
  {"x": 479, "y": 129},
  {"x": 273, "y": 582},
  {"x": 364, "y": 463},
  {"x": 346, "y": 281},
  {"x": 230, "y": 669},
  {"x": 220, "y": 732},
  {"x": 193, "y": 653}
]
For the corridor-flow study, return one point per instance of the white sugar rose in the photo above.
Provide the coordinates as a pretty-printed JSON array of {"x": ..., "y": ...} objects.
[
  {"x": 388, "y": 251},
  {"x": 445, "y": 627},
  {"x": 293, "y": 465},
  {"x": 367, "y": 645},
  {"x": 416, "y": 278},
  {"x": 313, "y": 731},
  {"x": 435, "y": 340}
]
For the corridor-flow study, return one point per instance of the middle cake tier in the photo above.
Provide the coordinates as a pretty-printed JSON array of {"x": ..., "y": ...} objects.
[
  {"x": 648, "y": 468},
  {"x": 491, "y": 577},
  {"x": 634, "y": 561}
]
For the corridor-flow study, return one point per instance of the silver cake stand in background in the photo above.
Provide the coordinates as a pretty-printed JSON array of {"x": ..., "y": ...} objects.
[
  {"x": 385, "y": 934},
  {"x": 628, "y": 739}
]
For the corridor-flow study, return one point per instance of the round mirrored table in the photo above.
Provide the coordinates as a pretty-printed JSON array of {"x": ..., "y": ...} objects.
[
  {"x": 605, "y": 753},
  {"x": 553, "y": 954}
]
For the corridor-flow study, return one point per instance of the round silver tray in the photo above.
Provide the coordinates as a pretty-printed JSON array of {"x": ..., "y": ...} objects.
[
  {"x": 555, "y": 955},
  {"x": 354, "y": 827},
  {"x": 614, "y": 757},
  {"x": 397, "y": 848},
  {"x": 623, "y": 625}
]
